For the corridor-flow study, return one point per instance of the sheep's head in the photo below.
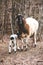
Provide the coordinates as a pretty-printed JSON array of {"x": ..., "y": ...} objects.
[{"x": 20, "y": 19}]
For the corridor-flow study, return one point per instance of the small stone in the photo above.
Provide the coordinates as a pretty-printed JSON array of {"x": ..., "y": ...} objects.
[{"x": 1, "y": 60}]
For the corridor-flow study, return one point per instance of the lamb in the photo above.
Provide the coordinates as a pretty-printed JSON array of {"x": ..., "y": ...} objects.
[{"x": 13, "y": 42}]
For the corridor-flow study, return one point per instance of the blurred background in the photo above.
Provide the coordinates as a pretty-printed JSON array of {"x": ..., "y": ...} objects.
[{"x": 9, "y": 10}]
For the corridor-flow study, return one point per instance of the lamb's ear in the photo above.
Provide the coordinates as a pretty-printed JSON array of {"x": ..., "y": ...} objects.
[{"x": 16, "y": 36}]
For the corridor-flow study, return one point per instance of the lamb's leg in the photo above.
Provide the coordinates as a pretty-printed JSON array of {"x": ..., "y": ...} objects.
[
  {"x": 10, "y": 44},
  {"x": 14, "y": 48}
]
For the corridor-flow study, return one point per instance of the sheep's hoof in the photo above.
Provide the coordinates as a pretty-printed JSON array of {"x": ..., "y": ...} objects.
[
  {"x": 14, "y": 51},
  {"x": 25, "y": 49},
  {"x": 21, "y": 49},
  {"x": 17, "y": 49}
]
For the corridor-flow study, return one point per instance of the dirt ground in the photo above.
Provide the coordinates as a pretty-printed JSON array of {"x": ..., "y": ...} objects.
[{"x": 33, "y": 56}]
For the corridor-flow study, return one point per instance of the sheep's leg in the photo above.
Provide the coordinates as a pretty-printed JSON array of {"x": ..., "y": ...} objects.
[
  {"x": 22, "y": 45},
  {"x": 18, "y": 48},
  {"x": 35, "y": 38},
  {"x": 10, "y": 44},
  {"x": 22, "y": 40},
  {"x": 26, "y": 42}
]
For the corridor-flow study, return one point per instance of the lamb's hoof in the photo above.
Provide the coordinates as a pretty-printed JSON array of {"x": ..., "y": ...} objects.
[
  {"x": 34, "y": 45},
  {"x": 9, "y": 52}
]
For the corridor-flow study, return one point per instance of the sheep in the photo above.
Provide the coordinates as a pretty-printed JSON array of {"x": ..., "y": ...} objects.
[{"x": 27, "y": 27}]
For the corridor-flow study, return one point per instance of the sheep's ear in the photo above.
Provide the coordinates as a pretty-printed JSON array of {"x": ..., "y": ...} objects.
[
  {"x": 22, "y": 16},
  {"x": 15, "y": 17}
]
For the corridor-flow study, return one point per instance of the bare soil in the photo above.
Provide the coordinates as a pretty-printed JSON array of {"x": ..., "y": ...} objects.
[{"x": 33, "y": 56}]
